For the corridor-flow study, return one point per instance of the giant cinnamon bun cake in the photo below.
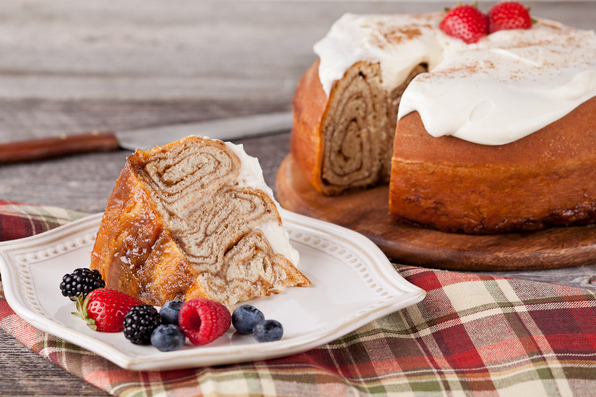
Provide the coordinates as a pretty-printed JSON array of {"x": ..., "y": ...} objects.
[
  {"x": 193, "y": 219},
  {"x": 495, "y": 136}
]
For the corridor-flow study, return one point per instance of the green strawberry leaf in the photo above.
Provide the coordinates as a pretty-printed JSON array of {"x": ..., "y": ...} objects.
[{"x": 82, "y": 311}]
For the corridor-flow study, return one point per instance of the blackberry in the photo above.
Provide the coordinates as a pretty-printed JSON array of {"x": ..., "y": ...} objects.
[
  {"x": 80, "y": 282},
  {"x": 140, "y": 322}
]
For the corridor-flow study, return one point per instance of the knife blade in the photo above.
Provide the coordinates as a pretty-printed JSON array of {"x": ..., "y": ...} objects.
[{"x": 144, "y": 138}]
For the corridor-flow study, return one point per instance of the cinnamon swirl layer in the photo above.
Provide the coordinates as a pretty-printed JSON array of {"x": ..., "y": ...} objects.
[
  {"x": 348, "y": 144},
  {"x": 181, "y": 225},
  {"x": 352, "y": 130},
  {"x": 179, "y": 174}
]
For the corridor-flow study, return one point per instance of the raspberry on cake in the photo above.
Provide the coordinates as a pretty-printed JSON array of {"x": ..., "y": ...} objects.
[
  {"x": 489, "y": 137},
  {"x": 194, "y": 219}
]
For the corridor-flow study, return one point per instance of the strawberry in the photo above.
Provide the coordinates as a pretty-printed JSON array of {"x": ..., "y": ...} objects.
[
  {"x": 465, "y": 22},
  {"x": 203, "y": 321},
  {"x": 508, "y": 15},
  {"x": 104, "y": 309}
]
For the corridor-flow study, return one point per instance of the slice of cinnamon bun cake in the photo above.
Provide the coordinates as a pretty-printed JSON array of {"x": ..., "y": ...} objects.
[{"x": 191, "y": 219}]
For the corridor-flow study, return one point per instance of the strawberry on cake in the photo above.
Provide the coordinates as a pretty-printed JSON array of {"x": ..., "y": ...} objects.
[{"x": 481, "y": 123}]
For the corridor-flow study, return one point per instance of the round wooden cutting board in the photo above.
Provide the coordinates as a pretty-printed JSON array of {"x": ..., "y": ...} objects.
[{"x": 367, "y": 212}]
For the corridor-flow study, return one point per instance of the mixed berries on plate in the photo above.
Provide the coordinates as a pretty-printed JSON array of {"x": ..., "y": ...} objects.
[
  {"x": 201, "y": 321},
  {"x": 468, "y": 23}
]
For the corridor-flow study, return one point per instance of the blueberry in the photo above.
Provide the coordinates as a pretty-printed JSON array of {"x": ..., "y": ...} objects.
[
  {"x": 168, "y": 337},
  {"x": 268, "y": 331},
  {"x": 169, "y": 312},
  {"x": 245, "y": 318}
]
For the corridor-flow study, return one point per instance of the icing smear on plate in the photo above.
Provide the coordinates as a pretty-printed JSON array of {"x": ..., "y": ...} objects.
[{"x": 508, "y": 85}]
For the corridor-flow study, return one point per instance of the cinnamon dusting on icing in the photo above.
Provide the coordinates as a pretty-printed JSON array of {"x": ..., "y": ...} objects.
[{"x": 532, "y": 77}]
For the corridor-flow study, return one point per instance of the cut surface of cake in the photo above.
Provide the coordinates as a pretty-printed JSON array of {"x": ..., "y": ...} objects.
[
  {"x": 194, "y": 219},
  {"x": 456, "y": 115}
]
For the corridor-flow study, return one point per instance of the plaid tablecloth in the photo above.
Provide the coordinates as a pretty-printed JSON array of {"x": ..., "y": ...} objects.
[{"x": 471, "y": 336}]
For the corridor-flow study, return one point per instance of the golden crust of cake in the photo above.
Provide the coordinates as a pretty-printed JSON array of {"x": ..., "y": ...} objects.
[
  {"x": 178, "y": 227},
  {"x": 133, "y": 250},
  {"x": 306, "y": 143},
  {"x": 547, "y": 178}
]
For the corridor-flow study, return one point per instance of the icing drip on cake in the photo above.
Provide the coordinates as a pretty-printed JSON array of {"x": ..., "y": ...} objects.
[
  {"x": 506, "y": 86},
  {"x": 251, "y": 175}
]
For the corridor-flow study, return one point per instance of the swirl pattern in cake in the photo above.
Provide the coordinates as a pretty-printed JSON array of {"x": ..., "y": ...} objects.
[{"x": 190, "y": 219}]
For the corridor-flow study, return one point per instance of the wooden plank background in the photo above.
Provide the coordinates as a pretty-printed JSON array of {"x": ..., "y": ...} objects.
[{"x": 69, "y": 66}]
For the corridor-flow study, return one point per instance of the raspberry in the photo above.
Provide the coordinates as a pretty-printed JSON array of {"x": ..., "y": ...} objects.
[
  {"x": 81, "y": 282},
  {"x": 203, "y": 321}
]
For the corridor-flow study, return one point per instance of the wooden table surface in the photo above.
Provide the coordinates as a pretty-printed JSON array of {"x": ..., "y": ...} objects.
[{"x": 70, "y": 66}]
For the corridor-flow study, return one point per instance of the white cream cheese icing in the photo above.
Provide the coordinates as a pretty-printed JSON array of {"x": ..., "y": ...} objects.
[
  {"x": 506, "y": 86},
  {"x": 251, "y": 175}
]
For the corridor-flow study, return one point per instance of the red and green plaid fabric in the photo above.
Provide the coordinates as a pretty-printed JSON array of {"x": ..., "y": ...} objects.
[
  {"x": 21, "y": 220},
  {"x": 472, "y": 335}
]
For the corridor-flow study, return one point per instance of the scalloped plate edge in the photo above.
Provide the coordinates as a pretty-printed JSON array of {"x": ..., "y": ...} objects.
[{"x": 407, "y": 295}]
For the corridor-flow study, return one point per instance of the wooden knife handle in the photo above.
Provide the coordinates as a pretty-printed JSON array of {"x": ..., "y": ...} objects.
[{"x": 64, "y": 145}]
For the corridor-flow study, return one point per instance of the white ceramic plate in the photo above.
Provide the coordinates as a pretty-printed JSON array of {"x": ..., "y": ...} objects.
[{"x": 353, "y": 284}]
